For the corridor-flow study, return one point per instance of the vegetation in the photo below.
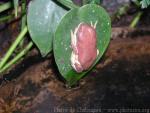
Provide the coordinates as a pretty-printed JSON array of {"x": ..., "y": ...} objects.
[{"x": 46, "y": 24}]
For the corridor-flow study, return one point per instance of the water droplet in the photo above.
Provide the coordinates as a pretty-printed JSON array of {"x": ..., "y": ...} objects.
[
  {"x": 46, "y": 17},
  {"x": 63, "y": 68},
  {"x": 36, "y": 13},
  {"x": 40, "y": 23},
  {"x": 108, "y": 23},
  {"x": 93, "y": 11}
]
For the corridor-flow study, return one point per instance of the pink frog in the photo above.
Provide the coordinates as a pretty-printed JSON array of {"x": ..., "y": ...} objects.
[{"x": 84, "y": 48}]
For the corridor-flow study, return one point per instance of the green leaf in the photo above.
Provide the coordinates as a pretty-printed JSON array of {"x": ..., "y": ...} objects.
[
  {"x": 145, "y": 3},
  {"x": 96, "y": 1},
  {"x": 42, "y": 19},
  {"x": 91, "y": 1},
  {"x": 16, "y": 7},
  {"x": 61, "y": 43},
  {"x": 68, "y": 3}
]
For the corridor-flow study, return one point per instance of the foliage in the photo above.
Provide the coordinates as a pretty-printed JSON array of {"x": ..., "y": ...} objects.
[
  {"x": 88, "y": 13},
  {"x": 49, "y": 23},
  {"x": 91, "y": 1},
  {"x": 16, "y": 6},
  {"x": 42, "y": 23},
  {"x": 145, "y": 3}
]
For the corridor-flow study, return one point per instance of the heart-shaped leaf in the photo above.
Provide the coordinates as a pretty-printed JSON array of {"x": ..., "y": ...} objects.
[
  {"x": 42, "y": 19},
  {"x": 62, "y": 41}
]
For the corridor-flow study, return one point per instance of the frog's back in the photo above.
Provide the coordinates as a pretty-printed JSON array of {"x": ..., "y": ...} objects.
[{"x": 87, "y": 49}]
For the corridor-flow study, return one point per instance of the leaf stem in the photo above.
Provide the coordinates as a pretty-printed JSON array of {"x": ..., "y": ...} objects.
[
  {"x": 84, "y": 2},
  {"x": 23, "y": 20},
  {"x": 5, "y": 6},
  {"x": 17, "y": 58},
  {"x": 6, "y": 18},
  {"x": 13, "y": 47},
  {"x": 136, "y": 19},
  {"x": 16, "y": 7},
  {"x": 68, "y": 4},
  {"x": 23, "y": 10}
]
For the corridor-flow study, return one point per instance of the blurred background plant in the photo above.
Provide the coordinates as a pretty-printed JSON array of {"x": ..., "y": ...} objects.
[{"x": 135, "y": 7}]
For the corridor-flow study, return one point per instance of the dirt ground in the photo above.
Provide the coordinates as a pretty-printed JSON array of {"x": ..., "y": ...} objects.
[{"x": 121, "y": 79}]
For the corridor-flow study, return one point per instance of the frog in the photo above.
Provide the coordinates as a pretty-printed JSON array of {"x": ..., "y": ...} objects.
[{"x": 84, "y": 47}]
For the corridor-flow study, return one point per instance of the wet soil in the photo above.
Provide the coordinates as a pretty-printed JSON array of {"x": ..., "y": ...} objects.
[{"x": 121, "y": 80}]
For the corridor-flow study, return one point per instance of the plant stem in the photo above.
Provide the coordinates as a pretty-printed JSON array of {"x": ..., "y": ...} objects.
[
  {"x": 23, "y": 10},
  {"x": 120, "y": 12},
  {"x": 23, "y": 20},
  {"x": 136, "y": 19},
  {"x": 84, "y": 2},
  {"x": 17, "y": 58},
  {"x": 13, "y": 47},
  {"x": 5, "y": 6},
  {"x": 15, "y": 2},
  {"x": 68, "y": 4},
  {"x": 6, "y": 18}
]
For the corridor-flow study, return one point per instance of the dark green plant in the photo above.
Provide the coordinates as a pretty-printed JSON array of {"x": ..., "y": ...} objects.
[
  {"x": 46, "y": 24},
  {"x": 145, "y": 3},
  {"x": 141, "y": 4}
]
